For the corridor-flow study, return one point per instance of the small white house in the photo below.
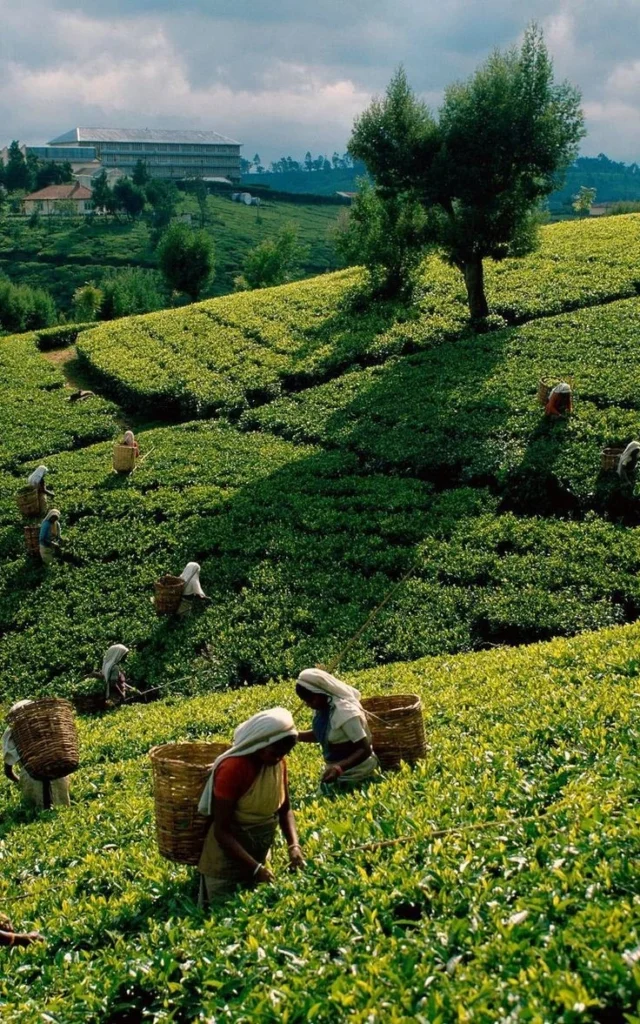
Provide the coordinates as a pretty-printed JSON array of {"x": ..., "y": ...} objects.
[{"x": 55, "y": 199}]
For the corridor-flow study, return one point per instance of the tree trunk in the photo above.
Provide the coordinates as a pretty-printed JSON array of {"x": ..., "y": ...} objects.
[{"x": 474, "y": 280}]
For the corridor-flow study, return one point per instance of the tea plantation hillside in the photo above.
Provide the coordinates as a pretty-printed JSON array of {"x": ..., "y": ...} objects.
[
  {"x": 440, "y": 460},
  {"x": 514, "y": 897},
  {"x": 238, "y": 351}
]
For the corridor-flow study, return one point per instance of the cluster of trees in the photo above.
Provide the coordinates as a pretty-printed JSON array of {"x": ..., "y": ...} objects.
[
  {"x": 23, "y": 308},
  {"x": 122, "y": 293},
  {"x": 30, "y": 174},
  {"x": 338, "y": 162},
  {"x": 274, "y": 261},
  {"x": 129, "y": 196},
  {"x": 468, "y": 182}
]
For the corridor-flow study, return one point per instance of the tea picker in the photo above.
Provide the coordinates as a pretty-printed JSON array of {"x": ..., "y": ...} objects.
[
  {"x": 36, "y": 481},
  {"x": 628, "y": 462},
  {"x": 50, "y": 537},
  {"x": 340, "y": 727},
  {"x": 560, "y": 401}
]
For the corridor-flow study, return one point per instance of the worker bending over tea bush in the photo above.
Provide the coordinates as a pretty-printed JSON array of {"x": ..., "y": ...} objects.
[
  {"x": 339, "y": 726},
  {"x": 247, "y": 796}
]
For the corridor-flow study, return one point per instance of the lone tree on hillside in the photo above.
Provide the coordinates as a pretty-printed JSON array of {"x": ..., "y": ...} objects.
[
  {"x": 186, "y": 259},
  {"x": 499, "y": 145}
]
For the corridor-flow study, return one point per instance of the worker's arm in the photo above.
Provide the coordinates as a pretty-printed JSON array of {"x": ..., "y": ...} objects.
[
  {"x": 362, "y": 750},
  {"x": 308, "y": 736},
  {"x": 290, "y": 833},
  {"x": 222, "y": 829},
  {"x": 9, "y": 772},
  {"x": 19, "y": 938}
]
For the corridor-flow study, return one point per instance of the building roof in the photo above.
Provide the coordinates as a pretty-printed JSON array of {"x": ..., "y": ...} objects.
[
  {"x": 74, "y": 191},
  {"x": 89, "y": 135}
]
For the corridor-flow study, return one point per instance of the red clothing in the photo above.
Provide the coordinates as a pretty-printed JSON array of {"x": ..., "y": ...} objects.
[{"x": 235, "y": 777}]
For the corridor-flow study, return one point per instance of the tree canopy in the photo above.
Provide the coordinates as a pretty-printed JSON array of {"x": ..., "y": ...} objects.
[{"x": 500, "y": 144}]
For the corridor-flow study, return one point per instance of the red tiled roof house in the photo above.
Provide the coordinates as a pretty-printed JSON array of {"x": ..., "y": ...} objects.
[{"x": 56, "y": 199}]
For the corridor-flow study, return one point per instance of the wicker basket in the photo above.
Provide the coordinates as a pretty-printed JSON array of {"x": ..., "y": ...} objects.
[
  {"x": 168, "y": 594},
  {"x": 610, "y": 457},
  {"x": 124, "y": 458},
  {"x": 90, "y": 703},
  {"x": 397, "y": 728},
  {"x": 180, "y": 772},
  {"x": 46, "y": 737},
  {"x": 28, "y": 501},
  {"x": 32, "y": 540}
]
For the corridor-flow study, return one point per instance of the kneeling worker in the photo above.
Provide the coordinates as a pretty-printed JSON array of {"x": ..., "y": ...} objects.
[
  {"x": 42, "y": 795},
  {"x": 560, "y": 401},
  {"x": 247, "y": 795}
]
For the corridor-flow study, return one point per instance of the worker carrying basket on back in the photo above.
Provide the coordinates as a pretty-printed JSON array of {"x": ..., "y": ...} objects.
[
  {"x": 41, "y": 795},
  {"x": 36, "y": 479},
  {"x": 339, "y": 726},
  {"x": 247, "y": 795}
]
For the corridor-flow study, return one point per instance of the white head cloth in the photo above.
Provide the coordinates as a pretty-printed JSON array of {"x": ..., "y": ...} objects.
[
  {"x": 10, "y": 752},
  {"x": 259, "y": 731},
  {"x": 560, "y": 389},
  {"x": 344, "y": 699},
  {"x": 35, "y": 478},
  {"x": 112, "y": 658},
  {"x": 633, "y": 446},
  {"x": 51, "y": 513},
  {"x": 129, "y": 439},
  {"x": 191, "y": 576}
]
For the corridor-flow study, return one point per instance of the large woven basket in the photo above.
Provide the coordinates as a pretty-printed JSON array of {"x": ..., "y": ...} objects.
[
  {"x": 180, "y": 772},
  {"x": 124, "y": 458},
  {"x": 168, "y": 594},
  {"x": 28, "y": 501},
  {"x": 397, "y": 728},
  {"x": 610, "y": 457},
  {"x": 32, "y": 540},
  {"x": 46, "y": 737},
  {"x": 91, "y": 703}
]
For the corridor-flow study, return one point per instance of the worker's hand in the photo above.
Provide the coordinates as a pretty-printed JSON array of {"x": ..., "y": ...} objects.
[
  {"x": 296, "y": 860},
  {"x": 28, "y": 938},
  {"x": 331, "y": 774},
  {"x": 265, "y": 875}
]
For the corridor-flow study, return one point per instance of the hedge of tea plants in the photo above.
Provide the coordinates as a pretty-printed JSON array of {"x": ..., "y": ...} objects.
[
  {"x": 468, "y": 410},
  {"x": 297, "y": 546},
  {"x": 525, "y": 909},
  {"x": 35, "y": 417},
  {"x": 228, "y": 354}
]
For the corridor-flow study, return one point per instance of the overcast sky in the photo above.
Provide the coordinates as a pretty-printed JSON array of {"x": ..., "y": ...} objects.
[{"x": 284, "y": 76}]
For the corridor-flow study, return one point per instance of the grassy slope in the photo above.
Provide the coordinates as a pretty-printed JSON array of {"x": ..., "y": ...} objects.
[
  {"x": 528, "y": 921},
  {"x": 61, "y": 257}
]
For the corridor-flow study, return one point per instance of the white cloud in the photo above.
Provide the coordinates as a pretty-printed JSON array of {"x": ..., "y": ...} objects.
[{"x": 283, "y": 76}]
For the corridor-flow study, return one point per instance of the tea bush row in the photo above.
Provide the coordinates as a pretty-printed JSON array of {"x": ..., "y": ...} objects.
[
  {"x": 533, "y": 919},
  {"x": 228, "y": 354},
  {"x": 297, "y": 547}
]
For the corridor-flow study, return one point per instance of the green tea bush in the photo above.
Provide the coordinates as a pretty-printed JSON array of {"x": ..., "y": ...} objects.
[
  {"x": 35, "y": 417},
  {"x": 525, "y": 909}
]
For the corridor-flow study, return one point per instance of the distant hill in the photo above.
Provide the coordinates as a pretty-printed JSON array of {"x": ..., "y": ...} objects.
[{"x": 614, "y": 182}]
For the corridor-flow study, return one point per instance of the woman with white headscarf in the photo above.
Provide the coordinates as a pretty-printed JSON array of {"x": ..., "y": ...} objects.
[
  {"x": 628, "y": 462},
  {"x": 50, "y": 537},
  {"x": 339, "y": 726},
  {"x": 560, "y": 401},
  {"x": 41, "y": 795},
  {"x": 247, "y": 795},
  {"x": 192, "y": 588},
  {"x": 36, "y": 479},
  {"x": 112, "y": 674},
  {"x": 129, "y": 441}
]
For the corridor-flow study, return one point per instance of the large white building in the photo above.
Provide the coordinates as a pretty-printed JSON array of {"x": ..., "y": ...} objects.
[{"x": 167, "y": 154}]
